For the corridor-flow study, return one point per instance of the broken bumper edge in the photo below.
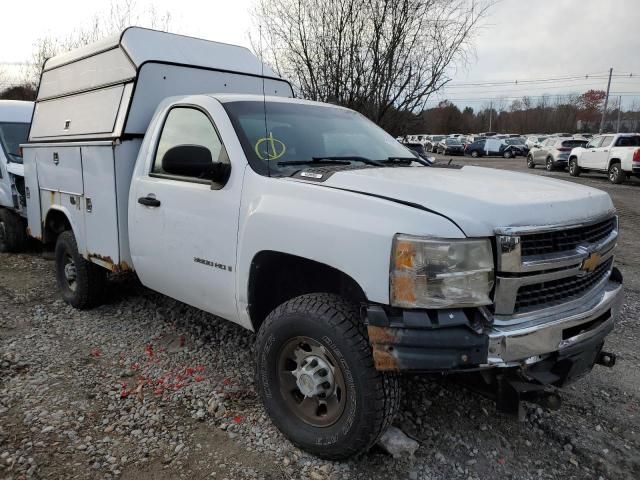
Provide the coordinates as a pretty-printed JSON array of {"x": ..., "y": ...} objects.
[{"x": 554, "y": 350}]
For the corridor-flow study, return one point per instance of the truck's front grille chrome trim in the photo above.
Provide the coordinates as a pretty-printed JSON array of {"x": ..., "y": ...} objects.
[
  {"x": 559, "y": 291},
  {"x": 540, "y": 272},
  {"x": 565, "y": 240}
]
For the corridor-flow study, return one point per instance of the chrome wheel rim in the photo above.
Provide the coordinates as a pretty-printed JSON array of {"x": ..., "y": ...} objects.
[
  {"x": 311, "y": 382},
  {"x": 613, "y": 173}
]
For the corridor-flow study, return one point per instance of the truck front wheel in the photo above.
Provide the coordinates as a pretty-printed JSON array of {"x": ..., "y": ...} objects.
[
  {"x": 316, "y": 377},
  {"x": 12, "y": 232},
  {"x": 80, "y": 282}
]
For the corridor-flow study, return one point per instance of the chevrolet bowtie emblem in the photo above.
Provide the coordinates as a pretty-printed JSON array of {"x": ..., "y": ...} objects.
[{"x": 591, "y": 262}]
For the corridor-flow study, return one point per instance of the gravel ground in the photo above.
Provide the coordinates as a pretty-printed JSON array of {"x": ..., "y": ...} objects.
[{"x": 145, "y": 387}]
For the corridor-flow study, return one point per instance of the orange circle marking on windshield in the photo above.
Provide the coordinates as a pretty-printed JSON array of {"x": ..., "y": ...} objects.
[{"x": 273, "y": 150}]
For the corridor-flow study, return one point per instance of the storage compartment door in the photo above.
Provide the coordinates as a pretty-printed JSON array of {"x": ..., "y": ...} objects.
[
  {"x": 32, "y": 190},
  {"x": 100, "y": 206},
  {"x": 60, "y": 169}
]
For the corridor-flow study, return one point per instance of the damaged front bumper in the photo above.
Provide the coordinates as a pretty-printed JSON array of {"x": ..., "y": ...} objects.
[{"x": 551, "y": 349}]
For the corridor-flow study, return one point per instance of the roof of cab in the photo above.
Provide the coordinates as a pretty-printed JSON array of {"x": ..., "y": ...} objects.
[{"x": 15, "y": 111}]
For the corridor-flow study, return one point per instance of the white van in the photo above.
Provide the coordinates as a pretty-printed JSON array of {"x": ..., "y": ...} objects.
[{"x": 15, "y": 118}]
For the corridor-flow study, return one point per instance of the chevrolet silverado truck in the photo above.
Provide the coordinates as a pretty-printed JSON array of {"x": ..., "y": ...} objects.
[
  {"x": 15, "y": 117},
  {"x": 616, "y": 155},
  {"x": 352, "y": 259}
]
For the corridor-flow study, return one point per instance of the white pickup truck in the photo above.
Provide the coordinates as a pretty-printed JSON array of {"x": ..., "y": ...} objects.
[
  {"x": 352, "y": 259},
  {"x": 15, "y": 117},
  {"x": 617, "y": 155}
]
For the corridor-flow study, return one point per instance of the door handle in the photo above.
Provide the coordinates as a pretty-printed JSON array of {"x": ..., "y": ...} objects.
[
  {"x": 605, "y": 150},
  {"x": 149, "y": 201}
]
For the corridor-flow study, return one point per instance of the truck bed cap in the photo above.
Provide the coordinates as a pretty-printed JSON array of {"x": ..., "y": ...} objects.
[{"x": 111, "y": 88}]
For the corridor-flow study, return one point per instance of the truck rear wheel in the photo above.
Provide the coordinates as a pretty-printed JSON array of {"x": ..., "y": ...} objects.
[
  {"x": 13, "y": 236},
  {"x": 616, "y": 175},
  {"x": 80, "y": 282},
  {"x": 316, "y": 377}
]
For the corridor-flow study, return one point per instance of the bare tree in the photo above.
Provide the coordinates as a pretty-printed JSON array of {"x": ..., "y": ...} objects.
[{"x": 377, "y": 56}]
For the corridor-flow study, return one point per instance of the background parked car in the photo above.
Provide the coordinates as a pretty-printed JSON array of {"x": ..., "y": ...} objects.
[
  {"x": 553, "y": 152},
  {"x": 419, "y": 149},
  {"x": 450, "y": 146},
  {"x": 495, "y": 147},
  {"x": 432, "y": 142},
  {"x": 617, "y": 155},
  {"x": 520, "y": 147},
  {"x": 535, "y": 140}
]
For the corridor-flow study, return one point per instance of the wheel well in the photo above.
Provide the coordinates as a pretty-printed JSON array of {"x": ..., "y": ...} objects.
[
  {"x": 573, "y": 157},
  {"x": 276, "y": 277},
  {"x": 56, "y": 223},
  {"x": 614, "y": 160}
]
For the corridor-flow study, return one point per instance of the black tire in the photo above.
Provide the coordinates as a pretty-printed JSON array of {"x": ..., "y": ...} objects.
[
  {"x": 530, "y": 162},
  {"x": 370, "y": 399},
  {"x": 507, "y": 154},
  {"x": 574, "y": 168},
  {"x": 474, "y": 154},
  {"x": 81, "y": 283},
  {"x": 549, "y": 165},
  {"x": 616, "y": 175},
  {"x": 13, "y": 236}
]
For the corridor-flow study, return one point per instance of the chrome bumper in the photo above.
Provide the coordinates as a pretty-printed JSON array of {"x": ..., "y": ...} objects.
[{"x": 530, "y": 339}]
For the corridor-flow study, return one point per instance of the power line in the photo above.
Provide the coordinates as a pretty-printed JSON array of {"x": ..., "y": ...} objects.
[
  {"x": 501, "y": 97},
  {"x": 515, "y": 81}
]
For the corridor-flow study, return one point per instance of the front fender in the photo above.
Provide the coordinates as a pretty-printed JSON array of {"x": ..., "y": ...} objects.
[{"x": 348, "y": 231}]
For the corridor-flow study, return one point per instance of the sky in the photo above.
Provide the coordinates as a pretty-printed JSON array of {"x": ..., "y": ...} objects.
[{"x": 561, "y": 41}]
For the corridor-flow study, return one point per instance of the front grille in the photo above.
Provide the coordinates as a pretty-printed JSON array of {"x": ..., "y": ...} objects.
[
  {"x": 555, "y": 292},
  {"x": 563, "y": 240}
]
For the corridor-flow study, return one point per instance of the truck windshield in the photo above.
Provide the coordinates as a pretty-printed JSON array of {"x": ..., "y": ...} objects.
[
  {"x": 11, "y": 136},
  {"x": 280, "y": 136}
]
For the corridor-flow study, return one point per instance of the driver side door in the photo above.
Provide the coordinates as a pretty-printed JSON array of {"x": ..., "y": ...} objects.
[
  {"x": 183, "y": 226},
  {"x": 587, "y": 158}
]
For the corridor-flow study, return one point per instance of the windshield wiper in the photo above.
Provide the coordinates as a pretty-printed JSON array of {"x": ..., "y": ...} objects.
[{"x": 346, "y": 160}]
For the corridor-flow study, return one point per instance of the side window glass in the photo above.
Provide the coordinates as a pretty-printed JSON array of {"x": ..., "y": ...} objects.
[
  {"x": 594, "y": 143},
  {"x": 189, "y": 146},
  {"x": 606, "y": 141}
]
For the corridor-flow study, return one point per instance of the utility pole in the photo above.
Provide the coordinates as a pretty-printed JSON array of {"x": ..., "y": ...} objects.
[
  {"x": 606, "y": 102},
  {"x": 490, "y": 113},
  {"x": 619, "y": 111}
]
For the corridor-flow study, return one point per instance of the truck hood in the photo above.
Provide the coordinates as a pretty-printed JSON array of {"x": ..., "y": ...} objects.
[{"x": 479, "y": 200}]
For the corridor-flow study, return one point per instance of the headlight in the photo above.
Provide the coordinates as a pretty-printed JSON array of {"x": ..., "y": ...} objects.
[{"x": 440, "y": 273}]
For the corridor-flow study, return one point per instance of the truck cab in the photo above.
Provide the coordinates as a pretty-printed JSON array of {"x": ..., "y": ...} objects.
[
  {"x": 352, "y": 259},
  {"x": 15, "y": 118}
]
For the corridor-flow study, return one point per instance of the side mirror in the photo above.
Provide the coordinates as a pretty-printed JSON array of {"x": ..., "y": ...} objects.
[{"x": 195, "y": 161}]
